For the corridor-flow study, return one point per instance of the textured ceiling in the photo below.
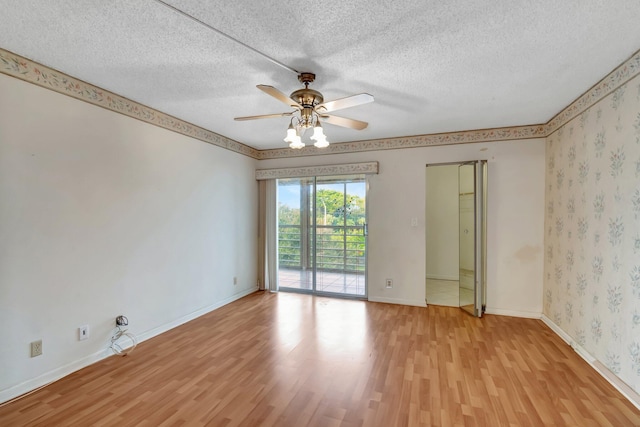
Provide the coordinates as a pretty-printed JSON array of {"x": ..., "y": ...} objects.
[{"x": 432, "y": 66}]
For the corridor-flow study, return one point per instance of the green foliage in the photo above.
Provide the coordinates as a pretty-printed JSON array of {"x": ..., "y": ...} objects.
[
  {"x": 334, "y": 240},
  {"x": 288, "y": 215},
  {"x": 331, "y": 208}
]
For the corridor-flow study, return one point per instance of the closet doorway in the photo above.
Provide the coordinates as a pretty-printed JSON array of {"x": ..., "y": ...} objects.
[{"x": 455, "y": 235}]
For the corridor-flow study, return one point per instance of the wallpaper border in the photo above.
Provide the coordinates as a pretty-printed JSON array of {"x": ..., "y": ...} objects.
[
  {"x": 32, "y": 72},
  {"x": 24, "y": 69},
  {"x": 428, "y": 140},
  {"x": 626, "y": 71}
]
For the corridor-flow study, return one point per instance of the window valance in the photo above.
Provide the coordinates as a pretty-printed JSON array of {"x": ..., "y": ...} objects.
[{"x": 326, "y": 170}]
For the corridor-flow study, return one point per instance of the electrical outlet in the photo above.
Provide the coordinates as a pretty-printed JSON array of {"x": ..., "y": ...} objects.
[
  {"x": 235, "y": 280},
  {"x": 83, "y": 332},
  {"x": 389, "y": 283},
  {"x": 36, "y": 348}
]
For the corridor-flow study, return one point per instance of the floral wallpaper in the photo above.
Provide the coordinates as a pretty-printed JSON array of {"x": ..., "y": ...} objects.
[{"x": 592, "y": 230}]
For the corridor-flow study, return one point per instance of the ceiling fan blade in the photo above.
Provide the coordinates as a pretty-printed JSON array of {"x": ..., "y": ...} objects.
[
  {"x": 344, "y": 122},
  {"x": 263, "y": 116},
  {"x": 270, "y": 90},
  {"x": 342, "y": 103}
]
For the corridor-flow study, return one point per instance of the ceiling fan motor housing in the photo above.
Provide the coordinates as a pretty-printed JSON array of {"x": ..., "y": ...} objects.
[{"x": 307, "y": 97}]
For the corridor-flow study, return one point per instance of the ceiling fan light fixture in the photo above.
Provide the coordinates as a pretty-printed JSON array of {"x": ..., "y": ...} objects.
[
  {"x": 317, "y": 131},
  {"x": 308, "y": 104},
  {"x": 321, "y": 143},
  {"x": 319, "y": 136},
  {"x": 293, "y": 138},
  {"x": 291, "y": 133},
  {"x": 296, "y": 144}
]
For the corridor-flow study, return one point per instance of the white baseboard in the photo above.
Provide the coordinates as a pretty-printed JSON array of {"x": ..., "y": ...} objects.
[
  {"x": 513, "y": 313},
  {"x": 194, "y": 315},
  {"x": 51, "y": 376},
  {"x": 398, "y": 301},
  {"x": 599, "y": 367},
  {"x": 61, "y": 372}
]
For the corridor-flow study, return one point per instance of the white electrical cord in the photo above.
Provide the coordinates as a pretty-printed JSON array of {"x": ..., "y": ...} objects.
[{"x": 117, "y": 348}]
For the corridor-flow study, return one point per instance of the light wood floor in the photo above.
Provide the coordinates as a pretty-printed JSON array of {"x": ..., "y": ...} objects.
[{"x": 296, "y": 360}]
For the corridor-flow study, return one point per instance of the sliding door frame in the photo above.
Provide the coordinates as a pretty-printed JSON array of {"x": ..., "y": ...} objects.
[{"x": 308, "y": 235}]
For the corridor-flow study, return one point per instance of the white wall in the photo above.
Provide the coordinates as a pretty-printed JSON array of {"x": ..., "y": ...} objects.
[
  {"x": 102, "y": 215},
  {"x": 515, "y": 223},
  {"x": 441, "y": 222}
]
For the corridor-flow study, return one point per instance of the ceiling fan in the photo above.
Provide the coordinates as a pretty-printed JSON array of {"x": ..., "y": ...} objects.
[{"x": 311, "y": 107}]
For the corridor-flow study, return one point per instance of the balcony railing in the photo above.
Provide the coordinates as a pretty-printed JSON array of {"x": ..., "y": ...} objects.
[{"x": 338, "y": 248}]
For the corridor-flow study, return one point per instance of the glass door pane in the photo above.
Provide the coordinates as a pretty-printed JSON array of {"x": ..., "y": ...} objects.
[
  {"x": 340, "y": 235},
  {"x": 295, "y": 269}
]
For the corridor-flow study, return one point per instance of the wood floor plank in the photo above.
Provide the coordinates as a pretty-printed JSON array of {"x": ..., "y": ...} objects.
[{"x": 294, "y": 360}]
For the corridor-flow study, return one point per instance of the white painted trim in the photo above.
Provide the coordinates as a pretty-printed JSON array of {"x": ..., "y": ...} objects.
[
  {"x": 61, "y": 372},
  {"x": 398, "y": 301},
  {"x": 513, "y": 313},
  {"x": 52, "y": 376},
  {"x": 194, "y": 315},
  {"x": 620, "y": 385},
  {"x": 599, "y": 367}
]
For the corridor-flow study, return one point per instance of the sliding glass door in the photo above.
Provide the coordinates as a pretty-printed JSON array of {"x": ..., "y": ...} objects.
[
  {"x": 295, "y": 233},
  {"x": 322, "y": 235},
  {"x": 340, "y": 228}
]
